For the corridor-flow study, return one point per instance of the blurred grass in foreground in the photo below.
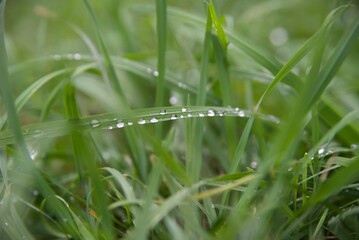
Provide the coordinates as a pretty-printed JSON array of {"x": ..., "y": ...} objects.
[{"x": 178, "y": 120}]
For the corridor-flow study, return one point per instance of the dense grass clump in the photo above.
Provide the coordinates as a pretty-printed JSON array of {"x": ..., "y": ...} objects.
[{"x": 179, "y": 120}]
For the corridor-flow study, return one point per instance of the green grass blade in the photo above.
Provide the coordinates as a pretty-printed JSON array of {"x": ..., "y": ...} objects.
[
  {"x": 218, "y": 26},
  {"x": 161, "y": 17},
  {"x": 81, "y": 149},
  {"x": 226, "y": 93},
  {"x": 114, "y": 82},
  {"x": 195, "y": 136}
]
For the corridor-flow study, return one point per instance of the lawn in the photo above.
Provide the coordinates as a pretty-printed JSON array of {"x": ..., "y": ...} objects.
[{"x": 179, "y": 120}]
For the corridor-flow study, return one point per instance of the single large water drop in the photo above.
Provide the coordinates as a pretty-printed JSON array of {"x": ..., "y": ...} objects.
[
  {"x": 241, "y": 113},
  {"x": 141, "y": 121},
  {"x": 210, "y": 113},
  {"x": 154, "y": 120},
  {"x": 120, "y": 124},
  {"x": 163, "y": 112}
]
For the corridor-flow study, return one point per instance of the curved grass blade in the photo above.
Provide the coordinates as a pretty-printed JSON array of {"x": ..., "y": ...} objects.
[
  {"x": 111, "y": 121},
  {"x": 18, "y": 137}
]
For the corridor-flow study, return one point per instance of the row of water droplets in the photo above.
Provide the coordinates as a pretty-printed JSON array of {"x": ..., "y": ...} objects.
[{"x": 164, "y": 115}]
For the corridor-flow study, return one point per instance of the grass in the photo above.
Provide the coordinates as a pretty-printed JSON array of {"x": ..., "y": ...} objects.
[{"x": 166, "y": 120}]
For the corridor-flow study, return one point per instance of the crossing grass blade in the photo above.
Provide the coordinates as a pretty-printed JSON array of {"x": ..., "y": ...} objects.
[
  {"x": 161, "y": 16},
  {"x": 84, "y": 164}
]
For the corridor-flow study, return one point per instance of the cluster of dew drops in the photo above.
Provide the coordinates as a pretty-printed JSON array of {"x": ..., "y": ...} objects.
[{"x": 163, "y": 115}]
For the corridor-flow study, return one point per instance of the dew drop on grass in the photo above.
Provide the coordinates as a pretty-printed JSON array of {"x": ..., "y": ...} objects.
[
  {"x": 254, "y": 164},
  {"x": 149, "y": 70},
  {"x": 321, "y": 152},
  {"x": 56, "y": 57},
  {"x": 200, "y": 115},
  {"x": 153, "y": 120},
  {"x": 174, "y": 117},
  {"x": 120, "y": 124},
  {"x": 173, "y": 100},
  {"x": 354, "y": 146},
  {"x": 241, "y": 113},
  {"x": 155, "y": 73},
  {"x": 77, "y": 56},
  {"x": 141, "y": 121},
  {"x": 278, "y": 36},
  {"x": 189, "y": 115},
  {"x": 35, "y": 193},
  {"x": 163, "y": 112},
  {"x": 210, "y": 113},
  {"x": 6, "y": 224},
  {"x": 130, "y": 123},
  {"x": 184, "y": 109},
  {"x": 220, "y": 113},
  {"x": 95, "y": 123}
]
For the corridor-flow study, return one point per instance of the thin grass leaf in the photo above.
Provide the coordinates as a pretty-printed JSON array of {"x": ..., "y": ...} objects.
[
  {"x": 143, "y": 216},
  {"x": 84, "y": 232},
  {"x": 110, "y": 121},
  {"x": 158, "y": 213},
  {"x": 195, "y": 135},
  {"x": 226, "y": 93},
  {"x": 218, "y": 26},
  {"x": 126, "y": 187},
  {"x": 27, "y": 162},
  {"x": 224, "y": 187},
  {"x": 84, "y": 163},
  {"x": 110, "y": 70},
  {"x": 320, "y": 224},
  {"x": 161, "y": 17}
]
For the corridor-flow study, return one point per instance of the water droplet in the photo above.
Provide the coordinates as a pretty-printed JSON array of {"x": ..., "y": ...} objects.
[
  {"x": 149, "y": 70},
  {"x": 77, "y": 56},
  {"x": 220, "y": 113},
  {"x": 106, "y": 155},
  {"x": 182, "y": 116},
  {"x": 278, "y": 36},
  {"x": 254, "y": 164},
  {"x": 141, "y": 121},
  {"x": 163, "y": 112},
  {"x": 155, "y": 73},
  {"x": 241, "y": 113},
  {"x": 6, "y": 224},
  {"x": 56, "y": 57},
  {"x": 321, "y": 151},
  {"x": 354, "y": 146},
  {"x": 37, "y": 133},
  {"x": 189, "y": 115},
  {"x": 173, "y": 100},
  {"x": 154, "y": 120},
  {"x": 184, "y": 109},
  {"x": 210, "y": 113},
  {"x": 174, "y": 117},
  {"x": 120, "y": 124},
  {"x": 200, "y": 115},
  {"x": 35, "y": 193},
  {"x": 95, "y": 123},
  {"x": 130, "y": 123}
]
